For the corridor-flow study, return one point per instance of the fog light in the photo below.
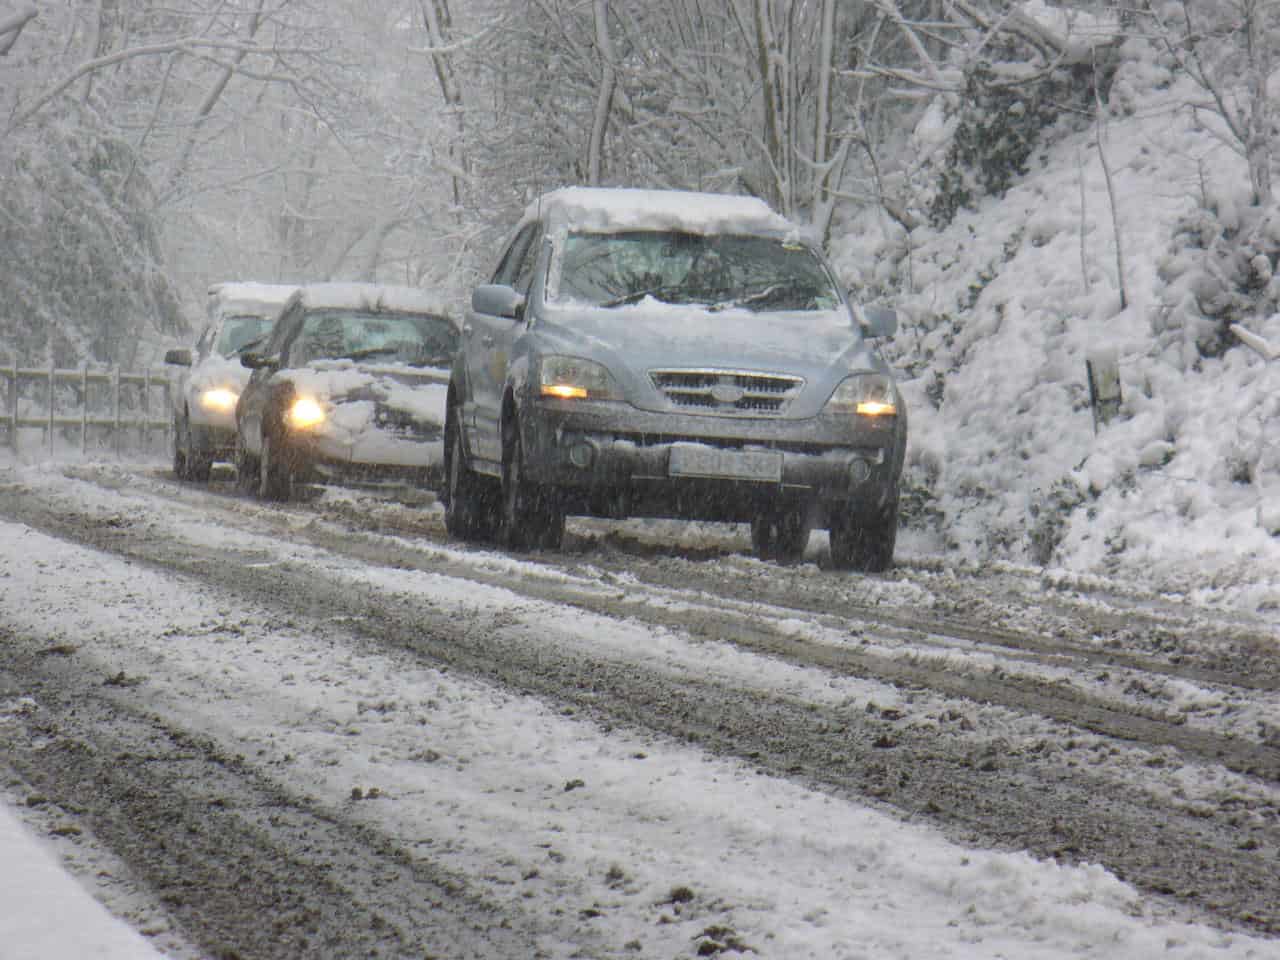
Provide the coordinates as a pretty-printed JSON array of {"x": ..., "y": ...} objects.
[
  {"x": 859, "y": 471},
  {"x": 581, "y": 455}
]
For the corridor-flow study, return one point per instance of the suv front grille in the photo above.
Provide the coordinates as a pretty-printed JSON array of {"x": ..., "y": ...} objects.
[{"x": 727, "y": 391}]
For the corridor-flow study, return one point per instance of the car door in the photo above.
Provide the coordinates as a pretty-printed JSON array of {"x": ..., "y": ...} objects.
[{"x": 487, "y": 344}]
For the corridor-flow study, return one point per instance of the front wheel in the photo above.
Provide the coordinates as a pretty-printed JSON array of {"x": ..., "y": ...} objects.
[
  {"x": 246, "y": 468},
  {"x": 865, "y": 543},
  {"x": 180, "y": 451},
  {"x": 467, "y": 512},
  {"x": 532, "y": 516},
  {"x": 275, "y": 479}
]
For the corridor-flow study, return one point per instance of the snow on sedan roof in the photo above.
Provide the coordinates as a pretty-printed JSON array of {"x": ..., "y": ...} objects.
[
  {"x": 232, "y": 293},
  {"x": 625, "y": 208},
  {"x": 372, "y": 296}
]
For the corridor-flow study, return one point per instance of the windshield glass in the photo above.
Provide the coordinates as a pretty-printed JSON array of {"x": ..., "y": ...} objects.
[
  {"x": 240, "y": 330},
  {"x": 758, "y": 273},
  {"x": 419, "y": 339}
]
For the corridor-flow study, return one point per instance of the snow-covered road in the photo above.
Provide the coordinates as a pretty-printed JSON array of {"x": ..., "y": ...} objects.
[{"x": 320, "y": 729}]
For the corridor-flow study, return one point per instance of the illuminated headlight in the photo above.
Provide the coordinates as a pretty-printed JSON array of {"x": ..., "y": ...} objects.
[
  {"x": 866, "y": 394},
  {"x": 306, "y": 412},
  {"x": 572, "y": 378},
  {"x": 219, "y": 400}
]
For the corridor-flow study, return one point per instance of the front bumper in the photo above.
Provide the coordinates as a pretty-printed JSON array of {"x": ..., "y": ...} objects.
[
  {"x": 710, "y": 467},
  {"x": 369, "y": 457}
]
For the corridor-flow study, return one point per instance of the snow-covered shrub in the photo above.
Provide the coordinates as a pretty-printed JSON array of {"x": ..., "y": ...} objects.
[
  {"x": 1050, "y": 511},
  {"x": 1001, "y": 119},
  {"x": 1221, "y": 270}
]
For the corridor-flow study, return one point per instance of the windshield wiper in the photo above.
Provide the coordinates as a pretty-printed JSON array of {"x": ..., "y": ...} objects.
[
  {"x": 370, "y": 352},
  {"x": 662, "y": 292},
  {"x": 768, "y": 291}
]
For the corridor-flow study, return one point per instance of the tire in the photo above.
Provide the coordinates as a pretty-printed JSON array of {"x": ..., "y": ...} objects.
[
  {"x": 865, "y": 543},
  {"x": 780, "y": 534},
  {"x": 180, "y": 456},
  {"x": 246, "y": 468},
  {"x": 275, "y": 478},
  {"x": 468, "y": 513},
  {"x": 532, "y": 517}
]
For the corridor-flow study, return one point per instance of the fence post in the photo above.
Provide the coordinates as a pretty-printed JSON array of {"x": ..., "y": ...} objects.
[
  {"x": 84, "y": 408},
  {"x": 13, "y": 407},
  {"x": 52, "y": 368},
  {"x": 146, "y": 410},
  {"x": 115, "y": 385}
]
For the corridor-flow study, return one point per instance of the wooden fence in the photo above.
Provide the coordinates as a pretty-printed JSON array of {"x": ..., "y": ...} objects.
[{"x": 104, "y": 405}]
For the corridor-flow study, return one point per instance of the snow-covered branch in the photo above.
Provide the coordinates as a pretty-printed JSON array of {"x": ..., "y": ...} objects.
[{"x": 1259, "y": 343}]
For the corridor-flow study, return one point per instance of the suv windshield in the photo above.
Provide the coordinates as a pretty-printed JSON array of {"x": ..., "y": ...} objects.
[
  {"x": 418, "y": 339},
  {"x": 758, "y": 273}
]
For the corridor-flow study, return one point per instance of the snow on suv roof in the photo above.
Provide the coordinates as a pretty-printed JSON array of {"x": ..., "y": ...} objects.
[
  {"x": 614, "y": 208},
  {"x": 372, "y": 296}
]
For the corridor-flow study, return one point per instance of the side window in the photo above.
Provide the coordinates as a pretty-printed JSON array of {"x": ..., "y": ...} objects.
[
  {"x": 524, "y": 274},
  {"x": 509, "y": 266}
]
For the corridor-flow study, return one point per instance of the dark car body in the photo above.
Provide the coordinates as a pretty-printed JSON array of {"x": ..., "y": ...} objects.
[
  {"x": 349, "y": 386},
  {"x": 662, "y": 353}
]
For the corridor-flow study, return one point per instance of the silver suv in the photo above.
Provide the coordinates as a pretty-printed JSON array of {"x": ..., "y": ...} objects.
[{"x": 671, "y": 354}]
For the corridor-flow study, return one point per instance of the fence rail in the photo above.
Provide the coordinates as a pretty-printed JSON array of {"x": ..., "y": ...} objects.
[{"x": 62, "y": 402}]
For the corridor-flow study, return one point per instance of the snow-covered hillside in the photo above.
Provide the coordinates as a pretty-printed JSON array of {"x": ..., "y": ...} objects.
[{"x": 1000, "y": 312}]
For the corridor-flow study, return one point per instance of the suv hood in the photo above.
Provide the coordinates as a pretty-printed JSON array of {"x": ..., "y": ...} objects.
[{"x": 821, "y": 347}]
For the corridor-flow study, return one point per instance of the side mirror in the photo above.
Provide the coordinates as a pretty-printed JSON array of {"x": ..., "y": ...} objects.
[
  {"x": 497, "y": 300},
  {"x": 256, "y": 361},
  {"x": 879, "y": 321},
  {"x": 181, "y": 357}
]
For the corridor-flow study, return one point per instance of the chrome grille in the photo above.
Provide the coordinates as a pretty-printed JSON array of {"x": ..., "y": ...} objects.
[{"x": 743, "y": 392}]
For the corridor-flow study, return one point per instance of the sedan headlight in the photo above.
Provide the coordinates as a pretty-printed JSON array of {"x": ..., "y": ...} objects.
[
  {"x": 306, "y": 412},
  {"x": 572, "y": 378},
  {"x": 219, "y": 399},
  {"x": 864, "y": 394}
]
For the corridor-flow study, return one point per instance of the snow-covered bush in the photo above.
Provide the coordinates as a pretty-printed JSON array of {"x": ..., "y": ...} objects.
[
  {"x": 1000, "y": 123},
  {"x": 1220, "y": 270}
]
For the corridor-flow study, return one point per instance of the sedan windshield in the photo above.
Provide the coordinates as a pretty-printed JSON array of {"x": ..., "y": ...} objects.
[
  {"x": 758, "y": 273},
  {"x": 240, "y": 331},
  {"x": 419, "y": 339}
]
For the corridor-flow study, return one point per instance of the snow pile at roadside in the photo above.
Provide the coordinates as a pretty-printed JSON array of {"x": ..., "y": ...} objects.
[
  {"x": 1000, "y": 313},
  {"x": 48, "y": 914}
]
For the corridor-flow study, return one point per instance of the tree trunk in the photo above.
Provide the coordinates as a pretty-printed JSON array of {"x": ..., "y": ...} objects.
[{"x": 604, "y": 95}]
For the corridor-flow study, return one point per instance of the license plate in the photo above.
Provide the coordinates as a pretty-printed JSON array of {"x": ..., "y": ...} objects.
[{"x": 696, "y": 460}]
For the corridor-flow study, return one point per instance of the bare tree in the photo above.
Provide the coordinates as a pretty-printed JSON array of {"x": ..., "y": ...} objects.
[{"x": 1228, "y": 47}]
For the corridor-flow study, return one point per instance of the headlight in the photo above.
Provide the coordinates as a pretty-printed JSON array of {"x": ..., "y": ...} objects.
[
  {"x": 572, "y": 378},
  {"x": 219, "y": 400},
  {"x": 306, "y": 412},
  {"x": 866, "y": 394}
]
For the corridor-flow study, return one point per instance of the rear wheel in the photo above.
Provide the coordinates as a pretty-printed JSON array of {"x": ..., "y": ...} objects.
[
  {"x": 275, "y": 478},
  {"x": 532, "y": 515},
  {"x": 865, "y": 543},
  {"x": 780, "y": 534},
  {"x": 467, "y": 512}
]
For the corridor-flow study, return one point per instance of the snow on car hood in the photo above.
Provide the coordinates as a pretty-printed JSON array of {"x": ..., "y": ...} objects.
[
  {"x": 215, "y": 371},
  {"x": 353, "y": 391}
]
